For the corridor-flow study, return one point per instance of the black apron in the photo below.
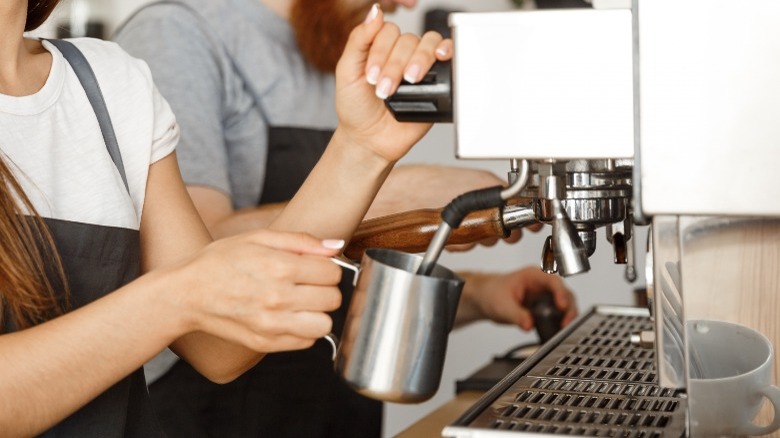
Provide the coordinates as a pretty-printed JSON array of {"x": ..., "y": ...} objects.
[
  {"x": 293, "y": 394},
  {"x": 98, "y": 260}
]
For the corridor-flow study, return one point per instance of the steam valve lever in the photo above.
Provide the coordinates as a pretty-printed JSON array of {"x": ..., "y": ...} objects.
[
  {"x": 429, "y": 100},
  {"x": 549, "y": 265}
]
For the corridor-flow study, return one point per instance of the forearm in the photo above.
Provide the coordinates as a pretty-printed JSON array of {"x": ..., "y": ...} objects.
[
  {"x": 468, "y": 310},
  {"x": 216, "y": 210},
  {"x": 171, "y": 233},
  {"x": 51, "y": 370},
  {"x": 417, "y": 186},
  {"x": 245, "y": 220},
  {"x": 331, "y": 204}
]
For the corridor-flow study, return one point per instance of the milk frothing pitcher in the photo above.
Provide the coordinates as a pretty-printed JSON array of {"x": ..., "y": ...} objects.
[{"x": 395, "y": 335}]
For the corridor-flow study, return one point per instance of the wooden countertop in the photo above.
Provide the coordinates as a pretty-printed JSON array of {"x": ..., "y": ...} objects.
[{"x": 432, "y": 424}]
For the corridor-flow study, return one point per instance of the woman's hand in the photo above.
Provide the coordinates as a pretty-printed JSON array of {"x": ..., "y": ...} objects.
[
  {"x": 266, "y": 290},
  {"x": 375, "y": 60}
]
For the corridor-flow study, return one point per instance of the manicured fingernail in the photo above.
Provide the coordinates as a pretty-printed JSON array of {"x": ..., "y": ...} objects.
[
  {"x": 442, "y": 51},
  {"x": 333, "y": 243},
  {"x": 412, "y": 73},
  {"x": 383, "y": 89},
  {"x": 373, "y": 74},
  {"x": 372, "y": 13}
]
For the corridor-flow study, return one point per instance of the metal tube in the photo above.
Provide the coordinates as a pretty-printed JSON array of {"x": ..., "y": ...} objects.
[
  {"x": 434, "y": 249},
  {"x": 443, "y": 233}
]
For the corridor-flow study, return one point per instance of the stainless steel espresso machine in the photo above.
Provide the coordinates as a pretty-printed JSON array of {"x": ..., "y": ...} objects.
[{"x": 657, "y": 112}]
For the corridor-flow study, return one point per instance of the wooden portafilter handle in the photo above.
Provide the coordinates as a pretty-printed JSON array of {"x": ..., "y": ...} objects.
[{"x": 412, "y": 231}]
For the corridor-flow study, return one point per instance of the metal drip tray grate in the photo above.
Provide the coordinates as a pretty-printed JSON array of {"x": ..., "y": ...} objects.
[{"x": 592, "y": 383}]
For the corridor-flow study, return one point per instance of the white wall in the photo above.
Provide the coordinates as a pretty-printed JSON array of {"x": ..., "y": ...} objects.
[
  {"x": 112, "y": 13},
  {"x": 475, "y": 345}
]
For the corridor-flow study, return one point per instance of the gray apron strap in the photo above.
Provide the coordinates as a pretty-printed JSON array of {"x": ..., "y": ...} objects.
[{"x": 90, "y": 84}]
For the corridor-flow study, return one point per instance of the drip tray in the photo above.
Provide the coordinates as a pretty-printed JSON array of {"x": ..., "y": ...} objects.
[{"x": 587, "y": 381}]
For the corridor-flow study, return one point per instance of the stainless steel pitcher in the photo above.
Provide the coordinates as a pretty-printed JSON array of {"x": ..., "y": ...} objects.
[{"x": 395, "y": 336}]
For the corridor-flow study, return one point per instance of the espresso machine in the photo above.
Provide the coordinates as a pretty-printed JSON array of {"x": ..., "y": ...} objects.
[{"x": 656, "y": 112}]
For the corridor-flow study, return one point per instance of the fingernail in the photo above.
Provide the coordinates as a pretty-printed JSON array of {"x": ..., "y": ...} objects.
[
  {"x": 372, "y": 13},
  {"x": 333, "y": 243},
  {"x": 442, "y": 51},
  {"x": 383, "y": 89},
  {"x": 412, "y": 73},
  {"x": 373, "y": 74}
]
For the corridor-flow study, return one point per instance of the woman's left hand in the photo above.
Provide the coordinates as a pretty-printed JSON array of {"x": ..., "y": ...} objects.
[{"x": 377, "y": 57}]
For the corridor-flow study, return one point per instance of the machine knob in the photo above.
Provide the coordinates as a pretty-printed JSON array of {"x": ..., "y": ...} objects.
[{"x": 547, "y": 316}]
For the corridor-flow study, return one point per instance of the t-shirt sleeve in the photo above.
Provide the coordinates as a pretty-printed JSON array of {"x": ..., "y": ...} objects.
[
  {"x": 165, "y": 131},
  {"x": 187, "y": 71}
]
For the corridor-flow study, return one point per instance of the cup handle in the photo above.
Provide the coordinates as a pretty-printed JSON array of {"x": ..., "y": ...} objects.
[{"x": 772, "y": 393}]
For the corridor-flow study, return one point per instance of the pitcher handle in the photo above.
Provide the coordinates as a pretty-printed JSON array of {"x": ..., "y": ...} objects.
[
  {"x": 332, "y": 339},
  {"x": 334, "y": 343},
  {"x": 347, "y": 264}
]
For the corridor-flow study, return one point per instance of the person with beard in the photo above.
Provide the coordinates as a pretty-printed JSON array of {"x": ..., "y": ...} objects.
[{"x": 252, "y": 85}]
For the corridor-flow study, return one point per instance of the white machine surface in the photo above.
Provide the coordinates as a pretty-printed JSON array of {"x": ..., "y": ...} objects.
[{"x": 544, "y": 84}]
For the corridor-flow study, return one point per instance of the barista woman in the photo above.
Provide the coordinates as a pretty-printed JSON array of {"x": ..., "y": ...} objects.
[{"x": 91, "y": 197}]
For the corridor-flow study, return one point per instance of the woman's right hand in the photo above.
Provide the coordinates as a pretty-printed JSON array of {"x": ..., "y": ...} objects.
[
  {"x": 377, "y": 57},
  {"x": 266, "y": 290}
]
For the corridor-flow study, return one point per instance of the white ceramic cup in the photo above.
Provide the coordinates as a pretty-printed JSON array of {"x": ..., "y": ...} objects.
[{"x": 730, "y": 375}]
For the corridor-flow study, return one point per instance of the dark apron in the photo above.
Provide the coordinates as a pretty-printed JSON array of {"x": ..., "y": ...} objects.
[
  {"x": 98, "y": 260},
  {"x": 293, "y": 394}
]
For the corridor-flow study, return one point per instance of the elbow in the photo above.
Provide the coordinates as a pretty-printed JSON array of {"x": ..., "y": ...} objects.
[
  {"x": 16, "y": 426},
  {"x": 222, "y": 379},
  {"x": 226, "y": 373},
  {"x": 223, "y": 376}
]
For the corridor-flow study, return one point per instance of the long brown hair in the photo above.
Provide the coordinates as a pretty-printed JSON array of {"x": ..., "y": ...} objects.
[
  {"x": 28, "y": 257},
  {"x": 37, "y": 12}
]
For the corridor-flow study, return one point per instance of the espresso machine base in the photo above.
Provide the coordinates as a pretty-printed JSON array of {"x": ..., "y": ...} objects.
[{"x": 589, "y": 380}]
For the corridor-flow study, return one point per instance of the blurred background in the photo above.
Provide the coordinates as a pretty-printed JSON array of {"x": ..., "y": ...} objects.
[{"x": 473, "y": 346}]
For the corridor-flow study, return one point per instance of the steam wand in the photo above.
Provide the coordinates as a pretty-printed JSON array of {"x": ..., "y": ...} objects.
[{"x": 455, "y": 211}]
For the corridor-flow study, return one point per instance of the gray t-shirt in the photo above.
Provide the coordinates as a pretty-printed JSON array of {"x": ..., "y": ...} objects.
[
  {"x": 212, "y": 61},
  {"x": 230, "y": 70}
]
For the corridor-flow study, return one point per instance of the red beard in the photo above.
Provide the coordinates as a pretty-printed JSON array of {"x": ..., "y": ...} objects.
[{"x": 322, "y": 28}]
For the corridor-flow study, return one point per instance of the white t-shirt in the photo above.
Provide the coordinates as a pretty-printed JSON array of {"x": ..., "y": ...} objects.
[{"x": 52, "y": 142}]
